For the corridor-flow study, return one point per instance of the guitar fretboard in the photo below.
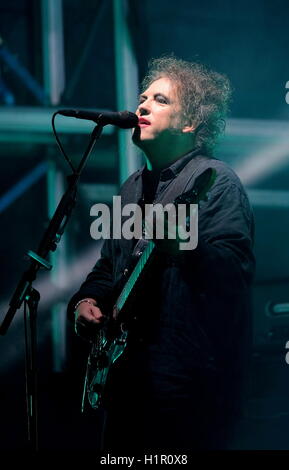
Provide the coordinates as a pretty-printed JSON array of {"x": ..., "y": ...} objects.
[{"x": 134, "y": 276}]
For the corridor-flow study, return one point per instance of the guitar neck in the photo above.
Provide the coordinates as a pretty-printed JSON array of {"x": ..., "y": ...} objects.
[{"x": 139, "y": 268}]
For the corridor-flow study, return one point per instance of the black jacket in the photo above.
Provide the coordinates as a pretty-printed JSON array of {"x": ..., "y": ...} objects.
[{"x": 195, "y": 308}]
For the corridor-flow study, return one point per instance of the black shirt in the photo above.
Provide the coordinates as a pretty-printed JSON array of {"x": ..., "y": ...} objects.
[{"x": 150, "y": 183}]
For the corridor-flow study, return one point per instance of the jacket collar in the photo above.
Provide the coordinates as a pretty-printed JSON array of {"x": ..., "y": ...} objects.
[{"x": 174, "y": 169}]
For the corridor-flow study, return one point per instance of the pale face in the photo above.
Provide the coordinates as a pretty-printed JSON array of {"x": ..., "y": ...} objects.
[{"x": 159, "y": 116}]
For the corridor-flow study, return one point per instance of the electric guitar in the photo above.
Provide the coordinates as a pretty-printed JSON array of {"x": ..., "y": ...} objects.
[{"x": 111, "y": 339}]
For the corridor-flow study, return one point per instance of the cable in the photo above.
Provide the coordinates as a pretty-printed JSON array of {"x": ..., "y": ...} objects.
[{"x": 60, "y": 145}]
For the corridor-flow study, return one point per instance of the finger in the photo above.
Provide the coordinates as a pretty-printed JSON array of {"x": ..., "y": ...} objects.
[
  {"x": 88, "y": 327},
  {"x": 95, "y": 312},
  {"x": 90, "y": 318},
  {"x": 98, "y": 318}
]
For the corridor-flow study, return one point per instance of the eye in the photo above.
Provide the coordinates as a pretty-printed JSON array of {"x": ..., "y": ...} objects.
[{"x": 161, "y": 99}]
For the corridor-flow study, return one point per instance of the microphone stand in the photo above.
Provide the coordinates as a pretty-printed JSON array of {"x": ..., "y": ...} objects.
[{"x": 27, "y": 294}]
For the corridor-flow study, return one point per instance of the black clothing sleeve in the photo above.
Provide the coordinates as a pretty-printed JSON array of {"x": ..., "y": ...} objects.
[
  {"x": 223, "y": 258},
  {"x": 98, "y": 284}
]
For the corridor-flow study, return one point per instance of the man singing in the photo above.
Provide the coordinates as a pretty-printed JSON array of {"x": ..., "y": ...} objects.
[{"x": 179, "y": 384}]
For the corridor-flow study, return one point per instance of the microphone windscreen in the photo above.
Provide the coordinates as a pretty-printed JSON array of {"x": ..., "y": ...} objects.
[{"x": 127, "y": 120}]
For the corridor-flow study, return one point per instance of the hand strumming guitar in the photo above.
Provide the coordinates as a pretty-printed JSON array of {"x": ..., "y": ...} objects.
[{"x": 88, "y": 318}]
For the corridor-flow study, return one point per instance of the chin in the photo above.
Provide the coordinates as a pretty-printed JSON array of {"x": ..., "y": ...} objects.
[{"x": 138, "y": 139}]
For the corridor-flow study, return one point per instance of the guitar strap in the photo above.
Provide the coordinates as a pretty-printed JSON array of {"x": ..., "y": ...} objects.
[
  {"x": 180, "y": 183},
  {"x": 177, "y": 186}
]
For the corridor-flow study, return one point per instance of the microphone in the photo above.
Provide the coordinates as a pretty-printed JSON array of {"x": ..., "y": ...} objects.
[{"x": 122, "y": 119}]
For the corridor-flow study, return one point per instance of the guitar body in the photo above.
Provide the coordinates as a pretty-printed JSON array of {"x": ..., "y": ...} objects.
[
  {"x": 111, "y": 340},
  {"x": 104, "y": 353}
]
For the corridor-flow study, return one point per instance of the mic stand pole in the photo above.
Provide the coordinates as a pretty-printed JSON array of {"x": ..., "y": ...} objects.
[
  {"x": 25, "y": 292},
  {"x": 31, "y": 304}
]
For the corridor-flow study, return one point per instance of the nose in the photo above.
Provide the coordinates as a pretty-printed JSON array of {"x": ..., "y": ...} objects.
[{"x": 143, "y": 109}]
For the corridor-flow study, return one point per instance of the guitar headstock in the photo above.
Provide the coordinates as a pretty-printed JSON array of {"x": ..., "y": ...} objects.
[{"x": 199, "y": 192}]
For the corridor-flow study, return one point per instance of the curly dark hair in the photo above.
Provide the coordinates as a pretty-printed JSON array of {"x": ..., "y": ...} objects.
[{"x": 204, "y": 95}]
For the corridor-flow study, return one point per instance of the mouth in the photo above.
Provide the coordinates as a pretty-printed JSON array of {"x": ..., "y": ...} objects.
[{"x": 142, "y": 122}]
